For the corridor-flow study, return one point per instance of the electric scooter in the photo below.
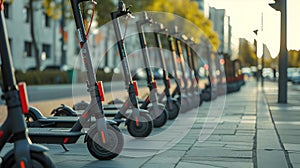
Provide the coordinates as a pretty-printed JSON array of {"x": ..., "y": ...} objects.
[
  {"x": 139, "y": 123},
  {"x": 24, "y": 154},
  {"x": 194, "y": 89},
  {"x": 210, "y": 92},
  {"x": 176, "y": 93},
  {"x": 157, "y": 110},
  {"x": 104, "y": 139},
  {"x": 187, "y": 102},
  {"x": 172, "y": 104}
]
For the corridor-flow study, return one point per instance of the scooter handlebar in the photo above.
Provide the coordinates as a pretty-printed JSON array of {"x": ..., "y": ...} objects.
[{"x": 122, "y": 11}]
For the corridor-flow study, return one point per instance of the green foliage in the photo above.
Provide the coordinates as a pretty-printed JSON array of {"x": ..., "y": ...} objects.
[
  {"x": 178, "y": 7},
  {"x": 247, "y": 53},
  {"x": 192, "y": 13},
  {"x": 294, "y": 58},
  {"x": 42, "y": 77},
  {"x": 57, "y": 77}
]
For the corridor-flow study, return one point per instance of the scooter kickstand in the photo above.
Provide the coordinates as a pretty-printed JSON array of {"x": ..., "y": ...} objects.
[{"x": 65, "y": 148}]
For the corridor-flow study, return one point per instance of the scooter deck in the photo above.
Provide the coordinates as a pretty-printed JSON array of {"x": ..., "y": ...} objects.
[
  {"x": 111, "y": 107},
  {"x": 65, "y": 121},
  {"x": 53, "y": 135},
  {"x": 116, "y": 106}
]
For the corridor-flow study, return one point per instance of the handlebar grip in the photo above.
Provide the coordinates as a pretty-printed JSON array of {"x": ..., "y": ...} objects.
[
  {"x": 175, "y": 29},
  {"x": 146, "y": 18},
  {"x": 121, "y": 6}
]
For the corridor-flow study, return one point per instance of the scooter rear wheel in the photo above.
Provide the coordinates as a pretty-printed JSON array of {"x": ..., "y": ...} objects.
[
  {"x": 144, "y": 127},
  {"x": 173, "y": 113},
  {"x": 39, "y": 160},
  {"x": 111, "y": 148}
]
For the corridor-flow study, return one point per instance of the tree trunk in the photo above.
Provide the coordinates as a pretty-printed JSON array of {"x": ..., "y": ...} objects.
[{"x": 34, "y": 42}]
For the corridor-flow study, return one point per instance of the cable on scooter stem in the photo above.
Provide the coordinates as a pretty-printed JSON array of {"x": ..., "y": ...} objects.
[{"x": 92, "y": 17}]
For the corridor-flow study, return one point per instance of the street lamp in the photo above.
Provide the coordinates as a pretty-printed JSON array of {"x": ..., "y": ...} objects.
[
  {"x": 280, "y": 5},
  {"x": 255, "y": 45}
]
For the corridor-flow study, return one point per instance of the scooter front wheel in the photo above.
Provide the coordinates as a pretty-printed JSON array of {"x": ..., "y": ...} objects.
[
  {"x": 161, "y": 119},
  {"x": 141, "y": 129},
  {"x": 38, "y": 160},
  {"x": 105, "y": 149},
  {"x": 174, "y": 110}
]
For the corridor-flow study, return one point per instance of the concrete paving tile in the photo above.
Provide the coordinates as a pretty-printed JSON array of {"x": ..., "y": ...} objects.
[
  {"x": 126, "y": 163},
  {"x": 218, "y": 131},
  {"x": 226, "y": 164},
  {"x": 292, "y": 139},
  {"x": 295, "y": 158},
  {"x": 193, "y": 165},
  {"x": 293, "y": 132},
  {"x": 271, "y": 159},
  {"x": 292, "y": 147},
  {"x": 237, "y": 138},
  {"x": 218, "y": 152},
  {"x": 267, "y": 139},
  {"x": 172, "y": 153},
  {"x": 220, "y": 159},
  {"x": 160, "y": 160},
  {"x": 164, "y": 165}
]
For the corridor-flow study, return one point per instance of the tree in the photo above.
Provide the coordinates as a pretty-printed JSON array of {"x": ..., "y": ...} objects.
[
  {"x": 246, "y": 53},
  {"x": 192, "y": 13},
  {"x": 294, "y": 58},
  {"x": 32, "y": 32}
]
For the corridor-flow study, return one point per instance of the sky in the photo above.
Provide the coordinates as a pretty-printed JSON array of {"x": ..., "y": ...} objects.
[{"x": 249, "y": 15}]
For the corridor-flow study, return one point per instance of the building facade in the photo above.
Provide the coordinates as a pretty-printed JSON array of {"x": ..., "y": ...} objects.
[
  {"x": 221, "y": 25},
  {"x": 47, "y": 32}
]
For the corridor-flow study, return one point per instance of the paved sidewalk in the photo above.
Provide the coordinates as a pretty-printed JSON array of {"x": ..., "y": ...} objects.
[{"x": 252, "y": 131}]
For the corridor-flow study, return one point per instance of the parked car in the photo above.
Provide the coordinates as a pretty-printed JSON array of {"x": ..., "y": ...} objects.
[
  {"x": 296, "y": 77},
  {"x": 246, "y": 71},
  {"x": 291, "y": 72},
  {"x": 268, "y": 73},
  {"x": 140, "y": 73}
]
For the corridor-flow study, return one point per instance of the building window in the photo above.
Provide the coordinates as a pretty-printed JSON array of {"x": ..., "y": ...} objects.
[
  {"x": 46, "y": 53},
  {"x": 7, "y": 10},
  {"x": 27, "y": 49},
  {"x": 47, "y": 20},
  {"x": 26, "y": 13}
]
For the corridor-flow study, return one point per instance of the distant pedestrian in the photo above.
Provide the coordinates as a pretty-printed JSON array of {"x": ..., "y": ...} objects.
[{"x": 274, "y": 74}]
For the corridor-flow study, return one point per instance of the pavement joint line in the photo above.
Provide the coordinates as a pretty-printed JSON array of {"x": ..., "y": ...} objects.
[
  {"x": 254, "y": 153},
  {"x": 286, "y": 153},
  {"x": 176, "y": 164},
  {"x": 147, "y": 161},
  {"x": 187, "y": 161}
]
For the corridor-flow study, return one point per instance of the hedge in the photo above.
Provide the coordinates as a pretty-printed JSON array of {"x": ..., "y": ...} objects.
[{"x": 56, "y": 77}]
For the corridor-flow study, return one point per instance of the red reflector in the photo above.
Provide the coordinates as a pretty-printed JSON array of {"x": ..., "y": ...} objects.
[
  {"x": 100, "y": 90},
  {"x": 66, "y": 140},
  {"x": 103, "y": 137},
  {"x": 23, "y": 97},
  {"x": 136, "y": 121},
  {"x": 169, "y": 83},
  {"x": 22, "y": 164},
  {"x": 155, "y": 84},
  {"x": 84, "y": 115},
  {"x": 1, "y": 134},
  {"x": 135, "y": 85}
]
